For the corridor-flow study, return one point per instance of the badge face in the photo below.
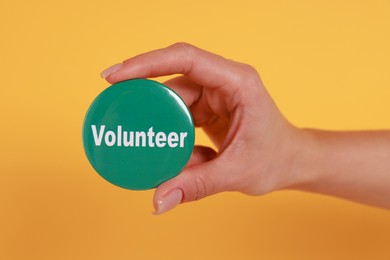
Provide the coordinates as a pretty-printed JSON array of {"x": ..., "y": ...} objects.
[{"x": 138, "y": 133}]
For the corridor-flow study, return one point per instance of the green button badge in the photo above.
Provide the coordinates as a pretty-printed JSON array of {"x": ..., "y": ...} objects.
[{"x": 138, "y": 133}]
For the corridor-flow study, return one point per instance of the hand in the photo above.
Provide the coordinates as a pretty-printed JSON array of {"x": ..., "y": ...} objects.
[
  {"x": 259, "y": 151},
  {"x": 257, "y": 147}
]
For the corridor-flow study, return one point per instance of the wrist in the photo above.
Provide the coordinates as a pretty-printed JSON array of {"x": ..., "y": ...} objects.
[{"x": 304, "y": 154}]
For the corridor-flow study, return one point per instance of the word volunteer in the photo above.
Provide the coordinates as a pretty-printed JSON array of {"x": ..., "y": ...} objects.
[{"x": 137, "y": 138}]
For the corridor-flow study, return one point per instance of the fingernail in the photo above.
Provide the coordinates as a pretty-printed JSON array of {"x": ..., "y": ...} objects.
[
  {"x": 107, "y": 72},
  {"x": 169, "y": 201}
]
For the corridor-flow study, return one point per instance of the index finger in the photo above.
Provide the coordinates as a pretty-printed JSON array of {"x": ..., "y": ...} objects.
[{"x": 202, "y": 67}]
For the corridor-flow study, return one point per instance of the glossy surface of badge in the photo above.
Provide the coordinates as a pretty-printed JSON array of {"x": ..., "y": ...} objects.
[{"x": 138, "y": 133}]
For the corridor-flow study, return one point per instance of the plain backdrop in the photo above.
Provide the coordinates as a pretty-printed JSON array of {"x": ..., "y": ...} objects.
[{"x": 326, "y": 64}]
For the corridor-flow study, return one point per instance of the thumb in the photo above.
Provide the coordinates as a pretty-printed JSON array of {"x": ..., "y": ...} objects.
[{"x": 201, "y": 179}]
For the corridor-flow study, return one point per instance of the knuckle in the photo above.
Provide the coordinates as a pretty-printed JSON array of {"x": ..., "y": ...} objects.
[
  {"x": 245, "y": 75},
  {"x": 249, "y": 78},
  {"x": 183, "y": 46},
  {"x": 186, "y": 52},
  {"x": 248, "y": 71},
  {"x": 249, "y": 68},
  {"x": 202, "y": 187}
]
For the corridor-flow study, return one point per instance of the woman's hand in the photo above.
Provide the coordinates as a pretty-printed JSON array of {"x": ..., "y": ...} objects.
[
  {"x": 258, "y": 150},
  {"x": 257, "y": 147}
]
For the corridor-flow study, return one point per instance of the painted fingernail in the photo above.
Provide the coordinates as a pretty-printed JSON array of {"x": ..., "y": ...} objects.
[
  {"x": 169, "y": 201},
  {"x": 107, "y": 72}
]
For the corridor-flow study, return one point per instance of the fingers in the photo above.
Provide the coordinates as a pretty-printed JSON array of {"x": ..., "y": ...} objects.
[
  {"x": 201, "y": 154},
  {"x": 202, "y": 67},
  {"x": 186, "y": 89},
  {"x": 223, "y": 97},
  {"x": 203, "y": 178},
  {"x": 192, "y": 93}
]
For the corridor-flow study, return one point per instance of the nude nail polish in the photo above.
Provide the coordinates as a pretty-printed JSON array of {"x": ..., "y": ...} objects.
[
  {"x": 107, "y": 72},
  {"x": 168, "y": 202}
]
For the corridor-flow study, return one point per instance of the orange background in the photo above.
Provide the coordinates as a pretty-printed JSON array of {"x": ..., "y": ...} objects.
[{"x": 326, "y": 64}]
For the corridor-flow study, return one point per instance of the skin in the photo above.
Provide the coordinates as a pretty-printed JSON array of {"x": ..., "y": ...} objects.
[{"x": 258, "y": 150}]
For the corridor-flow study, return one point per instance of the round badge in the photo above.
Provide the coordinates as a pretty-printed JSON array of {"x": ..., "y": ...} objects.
[{"x": 138, "y": 133}]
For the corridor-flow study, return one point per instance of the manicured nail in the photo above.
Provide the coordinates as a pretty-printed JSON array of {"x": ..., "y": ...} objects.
[
  {"x": 107, "y": 72},
  {"x": 169, "y": 201}
]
